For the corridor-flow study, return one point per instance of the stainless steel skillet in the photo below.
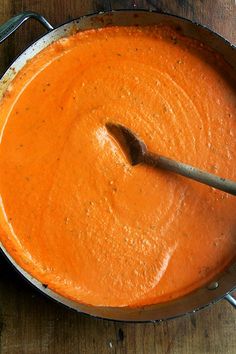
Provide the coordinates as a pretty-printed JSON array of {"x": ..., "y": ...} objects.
[{"x": 223, "y": 284}]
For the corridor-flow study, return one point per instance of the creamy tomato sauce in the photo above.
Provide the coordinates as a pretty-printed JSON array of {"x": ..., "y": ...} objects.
[{"x": 74, "y": 213}]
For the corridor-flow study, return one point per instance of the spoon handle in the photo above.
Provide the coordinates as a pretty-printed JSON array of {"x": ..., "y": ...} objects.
[{"x": 188, "y": 171}]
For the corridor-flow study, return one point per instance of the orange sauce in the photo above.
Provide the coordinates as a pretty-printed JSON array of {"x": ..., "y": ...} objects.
[{"x": 74, "y": 213}]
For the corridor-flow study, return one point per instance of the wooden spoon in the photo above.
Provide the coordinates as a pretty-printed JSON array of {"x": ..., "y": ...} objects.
[{"x": 136, "y": 152}]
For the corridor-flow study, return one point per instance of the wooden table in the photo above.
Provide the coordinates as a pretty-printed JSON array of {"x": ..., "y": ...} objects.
[{"x": 31, "y": 323}]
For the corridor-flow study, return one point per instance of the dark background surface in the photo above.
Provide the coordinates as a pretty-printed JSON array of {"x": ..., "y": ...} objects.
[{"x": 32, "y": 323}]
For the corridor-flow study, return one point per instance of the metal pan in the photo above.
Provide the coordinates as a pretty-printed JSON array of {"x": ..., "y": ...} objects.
[{"x": 223, "y": 284}]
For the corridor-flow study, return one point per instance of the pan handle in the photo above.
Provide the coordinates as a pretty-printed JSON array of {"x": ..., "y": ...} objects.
[
  {"x": 231, "y": 300},
  {"x": 11, "y": 25}
]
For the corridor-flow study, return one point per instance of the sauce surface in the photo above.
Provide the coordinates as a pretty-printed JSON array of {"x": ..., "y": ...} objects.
[{"x": 74, "y": 213}]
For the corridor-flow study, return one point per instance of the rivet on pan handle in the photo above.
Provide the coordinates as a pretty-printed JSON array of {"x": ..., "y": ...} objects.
[
  {"x": 11, "y": 25},
  {"x": 231, "y": 300}
]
